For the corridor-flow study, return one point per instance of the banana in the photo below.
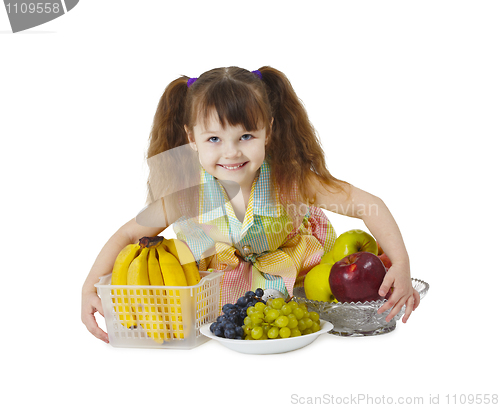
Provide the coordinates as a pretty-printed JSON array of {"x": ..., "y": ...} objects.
[
  {"x": 143, "y": 303},
  {"x": 119, "y": 277},
  {"x": 122, "y": 263},
  {"x": 171, "y": 269},
  {"x": 185, "y": 257},
  {"x": 150, "y": 320},
  {"x": 156, "y": 279},
  {"x": 138, "y": 270},
  {"x": 173, "y": 275},
  {"x": 154, "y": 271},
  {"x": 182, "y": 252}
]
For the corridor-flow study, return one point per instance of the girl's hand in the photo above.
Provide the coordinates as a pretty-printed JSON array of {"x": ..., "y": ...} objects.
[
  {"x": 91, "y": 303},
  {"x": 398, "y": 278}
]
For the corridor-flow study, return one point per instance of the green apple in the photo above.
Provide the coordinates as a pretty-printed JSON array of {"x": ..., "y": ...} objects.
[
  {"x": 317, "y": 283},
  {"x": 327, "y": 258},
  {"x": 350, "y": 242}
]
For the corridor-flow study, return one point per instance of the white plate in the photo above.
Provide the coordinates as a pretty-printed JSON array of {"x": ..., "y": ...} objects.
[{"x": 271, "y": 346}]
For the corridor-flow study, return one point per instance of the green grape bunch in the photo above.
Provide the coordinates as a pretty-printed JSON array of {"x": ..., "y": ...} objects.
[{"x": 277, "y": 319}]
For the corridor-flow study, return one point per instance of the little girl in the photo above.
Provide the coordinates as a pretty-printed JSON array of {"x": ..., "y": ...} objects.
[{"x": 237, "y": 169}]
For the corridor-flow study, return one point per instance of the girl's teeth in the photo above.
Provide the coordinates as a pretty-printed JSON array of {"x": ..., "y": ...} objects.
[{"x": 232, "y": 168}]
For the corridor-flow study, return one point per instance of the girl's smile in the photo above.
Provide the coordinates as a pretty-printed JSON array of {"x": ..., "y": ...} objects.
[{"x": 232, "y": 167}]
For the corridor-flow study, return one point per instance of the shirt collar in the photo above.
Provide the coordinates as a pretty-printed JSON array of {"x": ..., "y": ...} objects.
[
  {"x": 265, "y": 196},
  {"x": 263, "y": 199}
]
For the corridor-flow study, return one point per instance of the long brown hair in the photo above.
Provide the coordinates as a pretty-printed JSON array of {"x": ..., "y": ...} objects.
[{"x": 241, "y": 97}]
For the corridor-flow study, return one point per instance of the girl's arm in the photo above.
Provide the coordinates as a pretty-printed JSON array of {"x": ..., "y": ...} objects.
[
  {"x": 380, "y": 222},
  {"x": 129, "y": 233}
]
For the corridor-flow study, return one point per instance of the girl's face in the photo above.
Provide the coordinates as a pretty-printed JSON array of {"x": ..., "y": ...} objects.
[{"x": 230, "y": 153}]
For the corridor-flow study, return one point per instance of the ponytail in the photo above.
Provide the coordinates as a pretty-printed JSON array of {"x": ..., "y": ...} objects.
[
  {"x": 294, "y": 152},
  {"x": 168, "y": 124},
  {"x": 172, "y": 173}
]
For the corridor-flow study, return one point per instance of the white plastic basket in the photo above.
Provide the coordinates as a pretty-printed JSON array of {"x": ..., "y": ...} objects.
[{"x": 159, "y": 316}]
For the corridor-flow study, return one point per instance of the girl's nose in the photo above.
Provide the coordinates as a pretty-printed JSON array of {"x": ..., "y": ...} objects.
[{"x": 231, "y": 150}]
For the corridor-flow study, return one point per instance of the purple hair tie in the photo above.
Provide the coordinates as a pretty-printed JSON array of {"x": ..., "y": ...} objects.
[
  {"x": 191, "y": 81},
  {"x": 258, "y": 73}
]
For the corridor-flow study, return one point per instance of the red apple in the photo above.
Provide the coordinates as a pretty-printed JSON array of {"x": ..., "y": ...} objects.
[
  {"x": 380, "y": 250},
  {"x": 385, "y": 260},
  {"x": 357, "y": 278}
]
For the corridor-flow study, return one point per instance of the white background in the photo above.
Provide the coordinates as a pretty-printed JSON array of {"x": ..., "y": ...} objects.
[{"x": 405, "y": 98}]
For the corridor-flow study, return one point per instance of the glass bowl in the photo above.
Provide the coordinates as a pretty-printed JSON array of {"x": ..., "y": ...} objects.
[{"x": 357, "y": 319}]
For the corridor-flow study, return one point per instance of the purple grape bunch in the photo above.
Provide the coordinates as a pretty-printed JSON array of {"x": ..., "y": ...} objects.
[{"x": 229, "y": 324}]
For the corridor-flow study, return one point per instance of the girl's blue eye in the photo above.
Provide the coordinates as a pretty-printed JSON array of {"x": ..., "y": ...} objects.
[{"x": 215, "y": 139}]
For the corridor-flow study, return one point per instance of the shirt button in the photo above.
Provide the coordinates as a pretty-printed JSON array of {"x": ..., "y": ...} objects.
[{"x": 247, "y": 250}]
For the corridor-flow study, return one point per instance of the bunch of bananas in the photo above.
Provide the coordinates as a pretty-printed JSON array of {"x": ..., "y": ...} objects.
[{"x": 154, "y": 261}]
